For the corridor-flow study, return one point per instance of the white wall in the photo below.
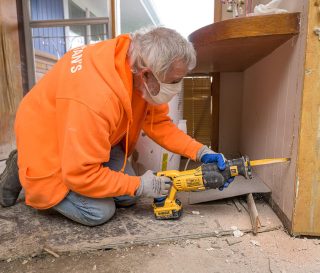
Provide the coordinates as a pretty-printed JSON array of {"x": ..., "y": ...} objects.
[{"x": 231, "y": 89}]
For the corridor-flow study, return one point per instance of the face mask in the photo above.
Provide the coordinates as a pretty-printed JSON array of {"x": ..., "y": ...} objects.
[{"x": 166, "y": 93}]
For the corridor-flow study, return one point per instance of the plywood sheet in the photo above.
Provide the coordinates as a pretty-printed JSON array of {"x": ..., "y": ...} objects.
[{"x": 240, "y": 186}]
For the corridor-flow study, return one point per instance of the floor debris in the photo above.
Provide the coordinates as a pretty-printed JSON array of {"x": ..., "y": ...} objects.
[
  {"x": 237, "y": 233},
  {"x": 255, "y": 243},
  {"x": 51, "y": 252},
  {"x": 210, "y": 249},
  {"x": 233, "y": 241},
  {"x": 240, "y": 258},
  {"x": 131, "y": 227}
]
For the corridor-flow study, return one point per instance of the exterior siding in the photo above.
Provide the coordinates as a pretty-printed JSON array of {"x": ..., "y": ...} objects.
[{"x": 50, "y": 40}]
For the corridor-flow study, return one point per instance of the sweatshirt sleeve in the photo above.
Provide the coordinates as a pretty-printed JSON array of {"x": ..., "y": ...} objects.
[
  {"x": 84, "y": 146},
  {"x": 159, "y": 127}
]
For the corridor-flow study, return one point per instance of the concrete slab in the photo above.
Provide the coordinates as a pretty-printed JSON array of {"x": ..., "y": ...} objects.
[{"x": 25, "y": 231}]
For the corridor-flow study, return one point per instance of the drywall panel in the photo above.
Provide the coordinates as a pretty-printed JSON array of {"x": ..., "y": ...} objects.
[
  {"x": 10, "y": 74},
  {"x": 230, "y": 112},
  {"x": 271, "y": 113}
]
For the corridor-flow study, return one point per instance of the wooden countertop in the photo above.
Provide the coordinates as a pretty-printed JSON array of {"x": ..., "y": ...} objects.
[{"x": 236, "y": 44}]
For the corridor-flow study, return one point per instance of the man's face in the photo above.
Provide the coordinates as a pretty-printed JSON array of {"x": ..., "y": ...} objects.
[{"x": 174, "y": 75}]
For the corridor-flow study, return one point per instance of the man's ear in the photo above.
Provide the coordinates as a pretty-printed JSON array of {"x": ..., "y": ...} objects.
[{"x": 145, "y": 74}]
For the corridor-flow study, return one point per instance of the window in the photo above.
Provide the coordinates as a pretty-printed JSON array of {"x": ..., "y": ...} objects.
[
  {"x": 53, "y": 27},
  {"x": 197, "y": 108}
]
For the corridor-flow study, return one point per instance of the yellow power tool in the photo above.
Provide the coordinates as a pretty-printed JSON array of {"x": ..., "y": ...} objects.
[{"x": 207, "y": 176}]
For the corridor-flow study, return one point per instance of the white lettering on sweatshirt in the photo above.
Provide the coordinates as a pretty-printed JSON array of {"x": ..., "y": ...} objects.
[{"x": 76, "y": 59}]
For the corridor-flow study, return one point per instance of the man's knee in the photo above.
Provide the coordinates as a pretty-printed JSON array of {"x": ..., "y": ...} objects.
[
  {"x": 86, "y": 211},
  {"x": 99, "y": 214}
]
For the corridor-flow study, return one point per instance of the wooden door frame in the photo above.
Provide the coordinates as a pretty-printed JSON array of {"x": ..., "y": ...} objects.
[
  {"x": 217, "y": 11},
  {"x": 306, "y": 213}
]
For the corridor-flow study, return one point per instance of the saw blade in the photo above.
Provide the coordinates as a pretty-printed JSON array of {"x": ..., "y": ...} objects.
[{"x": 267, "y": 161}]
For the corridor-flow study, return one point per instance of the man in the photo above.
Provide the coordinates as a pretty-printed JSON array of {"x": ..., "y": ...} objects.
[{"x": 77, "y": 126}]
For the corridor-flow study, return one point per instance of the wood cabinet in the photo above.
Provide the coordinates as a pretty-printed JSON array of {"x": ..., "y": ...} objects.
[
  {"x": 236, "y": 44},
  {"x": 274, "y": 62}
]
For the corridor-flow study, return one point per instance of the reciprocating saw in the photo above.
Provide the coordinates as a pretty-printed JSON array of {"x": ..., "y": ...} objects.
[{"x": 207, "y": 176}]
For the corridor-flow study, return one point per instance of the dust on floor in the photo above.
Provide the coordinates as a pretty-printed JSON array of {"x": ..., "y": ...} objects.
[
  {"x": 269, "y": 252},
  {"x": 25, "y": 231}
]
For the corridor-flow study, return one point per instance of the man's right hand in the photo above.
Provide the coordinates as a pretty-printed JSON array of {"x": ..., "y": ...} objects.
[{"x": 153, "y": 186}]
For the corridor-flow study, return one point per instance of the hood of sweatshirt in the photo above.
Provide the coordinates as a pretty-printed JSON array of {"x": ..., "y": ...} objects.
[{"x": 115, "y": 71}]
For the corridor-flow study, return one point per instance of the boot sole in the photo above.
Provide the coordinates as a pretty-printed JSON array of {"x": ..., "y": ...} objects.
[{"x": 10, "y": 175}]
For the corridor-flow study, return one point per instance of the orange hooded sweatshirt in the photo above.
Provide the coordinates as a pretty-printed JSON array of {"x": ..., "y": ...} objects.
[{"x": 67, "y": 124}]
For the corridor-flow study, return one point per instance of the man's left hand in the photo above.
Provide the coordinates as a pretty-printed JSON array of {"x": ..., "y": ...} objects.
[
  {"x": 214, "y": 157},
  {"x": 206, "y": 155}
]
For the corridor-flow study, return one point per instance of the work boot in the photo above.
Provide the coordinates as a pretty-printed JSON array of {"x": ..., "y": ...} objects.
[{"x": 10, "y": 186}]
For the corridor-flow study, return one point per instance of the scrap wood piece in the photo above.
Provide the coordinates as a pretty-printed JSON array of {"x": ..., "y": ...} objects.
[
  {"x": 254, "y": 217},
  {"x": 51, "y": 252},
  {"x": 237, "y": 204},
  {"x": 244, "y": 205}
]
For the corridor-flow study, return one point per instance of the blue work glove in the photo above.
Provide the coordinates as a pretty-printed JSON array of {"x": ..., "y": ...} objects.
[
  {"x": 206, "y": 155},
  {"x": 226, "y": 184},
  {"x": 210, "y": 158}
]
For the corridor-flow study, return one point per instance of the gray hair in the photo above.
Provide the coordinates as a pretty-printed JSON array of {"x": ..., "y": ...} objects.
[{"x": 157, "y": 48}]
